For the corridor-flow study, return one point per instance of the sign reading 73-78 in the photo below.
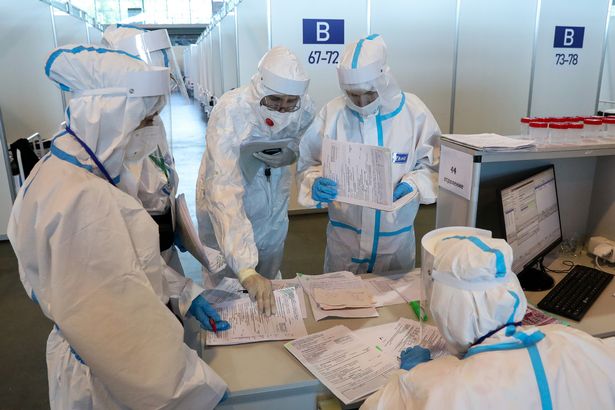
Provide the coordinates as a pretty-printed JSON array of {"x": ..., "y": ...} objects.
[{"x": 568, "y": 37}]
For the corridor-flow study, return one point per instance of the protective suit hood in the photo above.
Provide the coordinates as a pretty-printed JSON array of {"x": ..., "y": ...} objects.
[
  {"x": 279, "y": 72},
  {"x": 112, "y": 92},
  {"x": 474, "y": 290},
  {"x": 363, "y": 67}
]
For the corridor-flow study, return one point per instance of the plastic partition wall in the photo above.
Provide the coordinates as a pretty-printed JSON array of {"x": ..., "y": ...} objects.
[
  {"x": 30, "y": 103},
  {"x": 475, "y": 73}
]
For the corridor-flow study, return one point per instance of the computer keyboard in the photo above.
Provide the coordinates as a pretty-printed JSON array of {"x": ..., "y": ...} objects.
[{"x": 576, "y": 293}]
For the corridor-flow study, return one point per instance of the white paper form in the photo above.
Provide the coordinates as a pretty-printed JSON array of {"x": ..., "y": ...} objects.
[
  {"x": 393, "y": 338},
  {"x": 363, "y": 174},
  {"x": 335, "y": 280},
  {"x": 385, "y": 288},
  {"x": 349, "y": 367},
  {"x": 227, "y": 289},
  {"x": 292, "y": 283},
  {"x": 248, "y": 325}
]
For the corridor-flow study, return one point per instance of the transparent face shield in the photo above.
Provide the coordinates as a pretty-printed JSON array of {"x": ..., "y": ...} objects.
[{"x": 154, "y": 47}]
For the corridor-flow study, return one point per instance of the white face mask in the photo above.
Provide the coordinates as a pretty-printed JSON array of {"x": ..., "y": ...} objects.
[
  {"x": 276, "y": 121},
  {"x": 365, "y": 111},
  {"x": 141, "y": 143}
]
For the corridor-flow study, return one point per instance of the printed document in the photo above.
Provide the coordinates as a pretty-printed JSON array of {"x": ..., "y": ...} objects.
[
  {"x": 385, "y": 288},
  {"x": 489, "y": 142},
  {"x": 393, "y": 338},
  {"x": 334, "y": 281},
  {"x": 292, "y": 283},
  {"x": 363, "y": 174},
  {"x": 248, "y": 325},
  {"x": 349, "y": 367}
]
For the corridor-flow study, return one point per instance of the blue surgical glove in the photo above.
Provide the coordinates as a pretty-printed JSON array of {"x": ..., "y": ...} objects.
[
  {"x": 413, "y": 356},
  {"x": 202, "y": 311},
  {"x": 402, "y": 189},
  {"x": 223, "y": 399},
  {"x": 324, "y": 190}
]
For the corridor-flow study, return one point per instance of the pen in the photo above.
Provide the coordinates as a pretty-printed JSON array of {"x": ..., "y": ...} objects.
[
  {"x": 213, "y": 325},
  {"x": 416, "y": 308}
]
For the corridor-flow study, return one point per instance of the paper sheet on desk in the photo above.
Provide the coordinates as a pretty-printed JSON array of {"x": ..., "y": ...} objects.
[
  {"x": 392, "y": 338},
  {"x": 210, "y": 258},
  {"x": 248, "y": 163},
  {"x": 292, "y": 283},
  {"x": 334, "y": 280},
  {"x": 248, "y": 325},
  {"x": 395, "y": 289},
  {"x": 490, "y": 142},
  {"x": 363, "y": 174},
  {"x": 349, "y": 367},
  {"x": 329, "y": 299}
]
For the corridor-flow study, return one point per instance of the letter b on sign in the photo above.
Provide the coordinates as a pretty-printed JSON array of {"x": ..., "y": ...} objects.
[
  {"x": 323, "y": 31},
  {"x": 568, "y": 37}
]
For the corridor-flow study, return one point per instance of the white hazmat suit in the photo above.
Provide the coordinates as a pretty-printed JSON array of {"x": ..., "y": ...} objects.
[
  {"x": 153, "y": 180},
  {"x": 247, "y": 217},
  {"x": 89, "y": 253},
  {"x": 361, "y": 239},
  {"x": 477, "y": 303}
]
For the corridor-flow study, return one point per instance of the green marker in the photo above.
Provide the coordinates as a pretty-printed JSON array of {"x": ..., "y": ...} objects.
[{"x": 416, "y": 308}]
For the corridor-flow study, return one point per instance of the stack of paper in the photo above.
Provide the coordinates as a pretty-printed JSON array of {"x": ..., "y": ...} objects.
[
  {"x": 535, "y": 317},
  {"x": 329, "y": 285},
  {"x": 248, "y": 325},
  {"x": 330, "y": 299},
  {"x": 393, "y": 338},
  {"x": 490, "y": 142},
  {"x": 349, "y": 367}
]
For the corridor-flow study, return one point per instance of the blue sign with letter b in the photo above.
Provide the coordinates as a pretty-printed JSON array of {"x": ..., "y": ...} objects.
[
  {"x": 323, "y": 31},
  {"x": 568, "y": 37}
]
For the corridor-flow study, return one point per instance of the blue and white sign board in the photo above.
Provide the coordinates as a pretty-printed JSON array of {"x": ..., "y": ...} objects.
[
  {"x": 317, "y": 31},
  {"x": 568, "y": 57}
]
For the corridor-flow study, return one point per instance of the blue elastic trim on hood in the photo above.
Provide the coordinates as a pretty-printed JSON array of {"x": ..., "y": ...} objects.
[
  {"x": 358, "y": 47},
  {"x": 397, "y": 110},
  {"x": 64, "y": 156},
  {"x": 510, "y": 330},
  {"x": 76, "y": 50},
  {"x": 345, "y": 226},
  {"x": 500, "y": 265},
  {"x": 165, "y": 57},
  {"x": 119, "y": 25}
]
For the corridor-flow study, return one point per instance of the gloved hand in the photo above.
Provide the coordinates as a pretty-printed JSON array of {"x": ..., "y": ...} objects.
[
  {"x": 402, "y": 189},
  {"x": 413, "y": 356},
  {"x": 202, "y": 311},
  {"x": 286, "y": 157},
  {"x": 259, "y": 289},
  {"x": 324, "y": 190}
]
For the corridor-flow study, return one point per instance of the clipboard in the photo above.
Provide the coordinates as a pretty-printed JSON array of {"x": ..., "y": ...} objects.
[{"x": 251, "y": 165}]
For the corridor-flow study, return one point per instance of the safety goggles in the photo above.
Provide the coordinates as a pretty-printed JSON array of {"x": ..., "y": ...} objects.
[{"x": 281, "y": 102}]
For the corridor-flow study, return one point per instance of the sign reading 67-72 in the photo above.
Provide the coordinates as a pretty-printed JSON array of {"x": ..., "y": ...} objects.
[{"x": 323, "y": 31}]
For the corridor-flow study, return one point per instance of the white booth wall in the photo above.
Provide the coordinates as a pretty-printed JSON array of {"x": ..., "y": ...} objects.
[
  {"x": 228, "y": 41},
  {"x": 476, "y": 73}
]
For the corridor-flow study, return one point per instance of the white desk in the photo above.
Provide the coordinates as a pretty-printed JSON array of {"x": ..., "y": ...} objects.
[
  {"x": 265, "y": 376},
  {"x": 599, "y": 320}
]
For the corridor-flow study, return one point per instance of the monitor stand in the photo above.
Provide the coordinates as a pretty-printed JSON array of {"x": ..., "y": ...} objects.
[{"x": 535, "y": 280}]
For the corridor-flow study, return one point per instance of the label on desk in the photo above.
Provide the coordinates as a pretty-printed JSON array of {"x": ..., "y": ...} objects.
[{"x": 455, "y": 173}]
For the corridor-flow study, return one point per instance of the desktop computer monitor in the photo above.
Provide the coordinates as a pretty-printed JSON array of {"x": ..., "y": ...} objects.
[{"x": 530, "y": 211}]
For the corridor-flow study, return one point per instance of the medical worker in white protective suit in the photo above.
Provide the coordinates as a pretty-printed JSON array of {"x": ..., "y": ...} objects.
[
  {"x": 89, "y": 254},
  {"x": 372, "y": 111},
  {"x": 154, "y": 180},
  {"x": 478, "y": 304},
  {"x": 242, "y": 214}
]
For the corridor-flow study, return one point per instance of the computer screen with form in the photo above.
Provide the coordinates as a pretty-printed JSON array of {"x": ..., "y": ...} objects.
[{"x": 531, "y": 217}]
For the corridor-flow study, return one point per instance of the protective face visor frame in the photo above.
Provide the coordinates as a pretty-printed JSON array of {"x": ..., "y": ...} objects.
[
  {"x": 282, "y": 103},
  {"x": 138, "y": 84},
  {"x": 149, "y": 46}
]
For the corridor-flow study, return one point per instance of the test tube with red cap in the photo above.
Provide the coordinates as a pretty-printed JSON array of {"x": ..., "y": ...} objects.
[
  {"x": 558, "y": 132},
  {"x": 575, "y": 132},
  {"x": 525, "y": 125},
  {"x": 609, "y": 124},
  {"x": 593, "y": 127},
  {"x": 539, "y": 131}
]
